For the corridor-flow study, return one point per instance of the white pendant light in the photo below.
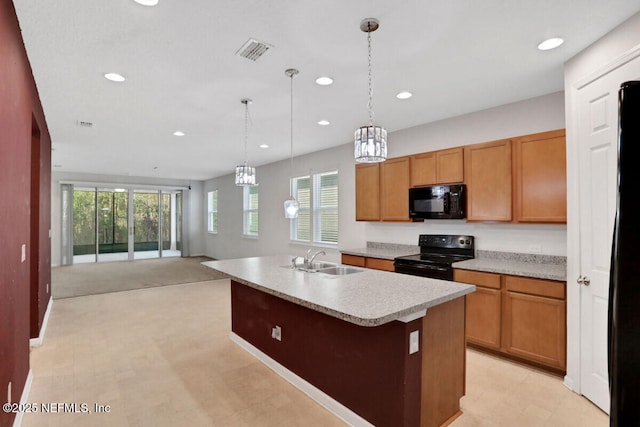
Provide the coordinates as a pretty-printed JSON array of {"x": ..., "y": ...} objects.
[
  {"x": 370, "y": 142},
  {"x": 291, "y": 205},
  {"x": 245, "y": 175}
]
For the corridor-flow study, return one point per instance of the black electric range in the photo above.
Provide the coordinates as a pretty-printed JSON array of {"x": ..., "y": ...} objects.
[{"x": 437, "y": 253}]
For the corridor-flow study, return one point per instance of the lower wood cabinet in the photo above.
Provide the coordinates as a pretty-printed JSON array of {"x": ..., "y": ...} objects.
[
  {"x": 534, "y": 320},
  {"x": 520, "y": 317},
  {"x": 368, "y": 262}
]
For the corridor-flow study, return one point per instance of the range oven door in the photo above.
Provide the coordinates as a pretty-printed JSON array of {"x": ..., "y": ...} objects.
[{"x": 432, "y": 271}]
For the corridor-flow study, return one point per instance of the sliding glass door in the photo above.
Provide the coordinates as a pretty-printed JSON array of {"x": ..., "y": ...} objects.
[{"x": 113, "y": 224}]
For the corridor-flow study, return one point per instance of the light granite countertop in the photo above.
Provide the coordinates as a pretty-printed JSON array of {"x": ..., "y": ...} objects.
[
  {"x": 527, "y": 265},
  {"x": 383, "y": 250},
  {"x": 367, "y": 298}
]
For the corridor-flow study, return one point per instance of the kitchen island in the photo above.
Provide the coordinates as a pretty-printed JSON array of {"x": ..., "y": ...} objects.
[{"x": 373, "y": 347}]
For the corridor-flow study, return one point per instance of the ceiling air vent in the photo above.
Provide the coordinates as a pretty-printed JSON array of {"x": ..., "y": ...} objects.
[{"x": 253, "y": 49}]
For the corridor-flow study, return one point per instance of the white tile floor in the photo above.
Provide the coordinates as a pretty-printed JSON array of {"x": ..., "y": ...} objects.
[{"x": 162, "y": 357}]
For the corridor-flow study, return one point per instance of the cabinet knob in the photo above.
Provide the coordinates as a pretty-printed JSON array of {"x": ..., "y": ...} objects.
[{"x": 584, "y": 280}]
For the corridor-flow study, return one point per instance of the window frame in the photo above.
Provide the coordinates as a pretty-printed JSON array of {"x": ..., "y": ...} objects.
[
  {"x": 314, "y": 210},
  {"x": 212, "y": 226},
  {"x": 246, "y": 211}
]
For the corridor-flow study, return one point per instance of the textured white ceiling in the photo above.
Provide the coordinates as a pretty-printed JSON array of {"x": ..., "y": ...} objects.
[{"x": 182, "y": 72}]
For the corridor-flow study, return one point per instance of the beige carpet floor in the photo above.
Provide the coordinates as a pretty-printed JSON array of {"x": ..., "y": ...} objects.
[{"x": 99, "y": 278}]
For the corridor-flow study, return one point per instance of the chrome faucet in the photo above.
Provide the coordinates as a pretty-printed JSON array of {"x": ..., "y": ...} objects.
[{"x": 308, "y": 261}]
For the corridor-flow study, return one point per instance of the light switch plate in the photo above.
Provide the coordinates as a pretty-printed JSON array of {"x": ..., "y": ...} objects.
[
  {"x": 24, "y": 253},
  {"x": 414, "y": 342}
]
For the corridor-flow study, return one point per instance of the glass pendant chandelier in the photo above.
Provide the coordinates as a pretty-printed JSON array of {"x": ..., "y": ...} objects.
[
  {"x": 245, "y": 175},
  {"x": 291, "y": 205},
  {"x": 370, "y": 142}
]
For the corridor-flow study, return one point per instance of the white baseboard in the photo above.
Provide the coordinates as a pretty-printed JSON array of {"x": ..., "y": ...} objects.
[
  {"x": 37, "y": 342},
  {"x": 17, "y": 421},
  {"x": 332, "y": 405},
  {"x": 568, "y": 383}
]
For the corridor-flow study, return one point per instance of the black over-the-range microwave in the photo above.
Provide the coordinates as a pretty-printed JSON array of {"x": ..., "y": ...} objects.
[{"x": 438, "y": 202}]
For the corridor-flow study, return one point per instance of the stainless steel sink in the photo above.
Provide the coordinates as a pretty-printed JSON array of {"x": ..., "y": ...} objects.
[
  {"x": 321, "y": 265},
  {"x": 339, "y": 270}
]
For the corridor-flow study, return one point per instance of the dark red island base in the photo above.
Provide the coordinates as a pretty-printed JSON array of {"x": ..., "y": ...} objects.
[{"x": 367, "y": 369}]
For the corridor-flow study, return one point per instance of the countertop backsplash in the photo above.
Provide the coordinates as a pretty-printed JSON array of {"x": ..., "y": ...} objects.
[
  {"x": 521, "y": 257},
  {"x": 394, "y": 247}
]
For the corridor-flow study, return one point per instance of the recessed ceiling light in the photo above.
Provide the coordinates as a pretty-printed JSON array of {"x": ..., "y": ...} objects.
[
  {"x": 324, "y": 81},
  {"x": 178, "y": 133},
  {"x": 324, "y": 122},
  {"x": 264, "y": 145},
  {"x": 147, "y": 2},
  {"x": 114, "y": 77},
  {"x": 404, "y": 95},
  {"x": 551, "y": 43}
]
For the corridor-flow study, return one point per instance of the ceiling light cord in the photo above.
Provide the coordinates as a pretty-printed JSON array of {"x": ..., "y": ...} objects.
[
  {"x": 291, "y": 134},
  {"x": 370, "y": 103},
  {"x": 246, "y": 130}
]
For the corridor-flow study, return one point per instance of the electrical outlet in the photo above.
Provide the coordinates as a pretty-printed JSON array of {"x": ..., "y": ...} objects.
[
  {"x": 276, "y": 333},
  {"x": 535, "y": 249},
  {"x": 414, "y": 342}
]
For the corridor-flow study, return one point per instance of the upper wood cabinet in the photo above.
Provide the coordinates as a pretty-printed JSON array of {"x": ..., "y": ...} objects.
[
  {"x": 368, "y": 192},
  {"x": 488, "y": 177},
  {"x": 437, "y": 167},
  {"x": 540, "y": 177},
  {"x": 394, "y": 189}
]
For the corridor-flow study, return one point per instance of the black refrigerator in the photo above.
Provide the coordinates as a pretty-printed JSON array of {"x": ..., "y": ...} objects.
[{"x": 624, "y": 285}]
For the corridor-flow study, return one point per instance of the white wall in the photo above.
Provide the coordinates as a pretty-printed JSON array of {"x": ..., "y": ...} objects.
[
  {"x": 535, "y": 115},
  {"x": 193, "y": 199}
]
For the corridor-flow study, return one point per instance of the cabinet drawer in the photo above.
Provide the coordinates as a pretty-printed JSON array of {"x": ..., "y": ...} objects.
[
  {"x": 379, "y": 264},
  {"x": 489, "y": 280},
  {"x": 353, "y": 260},
  {"x": 544, "y": 288}
]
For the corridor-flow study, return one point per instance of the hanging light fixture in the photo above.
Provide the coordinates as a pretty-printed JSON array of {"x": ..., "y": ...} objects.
[
  {"x": 291, "y": 204},
  {"x": 245, "y": 175},
  {"x": 370, "y": 142}
]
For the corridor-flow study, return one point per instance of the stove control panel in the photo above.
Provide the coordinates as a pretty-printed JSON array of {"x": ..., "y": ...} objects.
[{"x": 445, "y": 241}]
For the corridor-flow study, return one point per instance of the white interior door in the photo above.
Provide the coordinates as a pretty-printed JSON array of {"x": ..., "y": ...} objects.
[{"x": 597, "y": 114}]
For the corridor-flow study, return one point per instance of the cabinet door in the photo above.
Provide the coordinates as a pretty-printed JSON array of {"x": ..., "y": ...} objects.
[
  {"x": 379, "y": 264},
  {"x": 534, "y": 328},
  {"x": 368, "y": 192},
  {"x": 423, "y": 169},
  {"x": 394, "y": 189},
  {"x": 540, "y": 178},
  {"x": 488, "y": 176},
  {"x": 449, "y": 166},
  {"x": 483, "y": 317},
  {"x": 483, "y": 313}
]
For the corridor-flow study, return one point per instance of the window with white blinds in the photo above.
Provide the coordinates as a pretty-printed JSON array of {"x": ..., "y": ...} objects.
[
  {"x": 250, "y": 210},
  {"x": 317, "y": 220},
  {"x": 212, "y": 216}
]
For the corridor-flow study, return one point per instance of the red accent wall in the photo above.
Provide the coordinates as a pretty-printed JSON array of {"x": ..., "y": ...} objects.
[
  {"x": 21, "y": 282},
  {"x": 368, "y": 370}
]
